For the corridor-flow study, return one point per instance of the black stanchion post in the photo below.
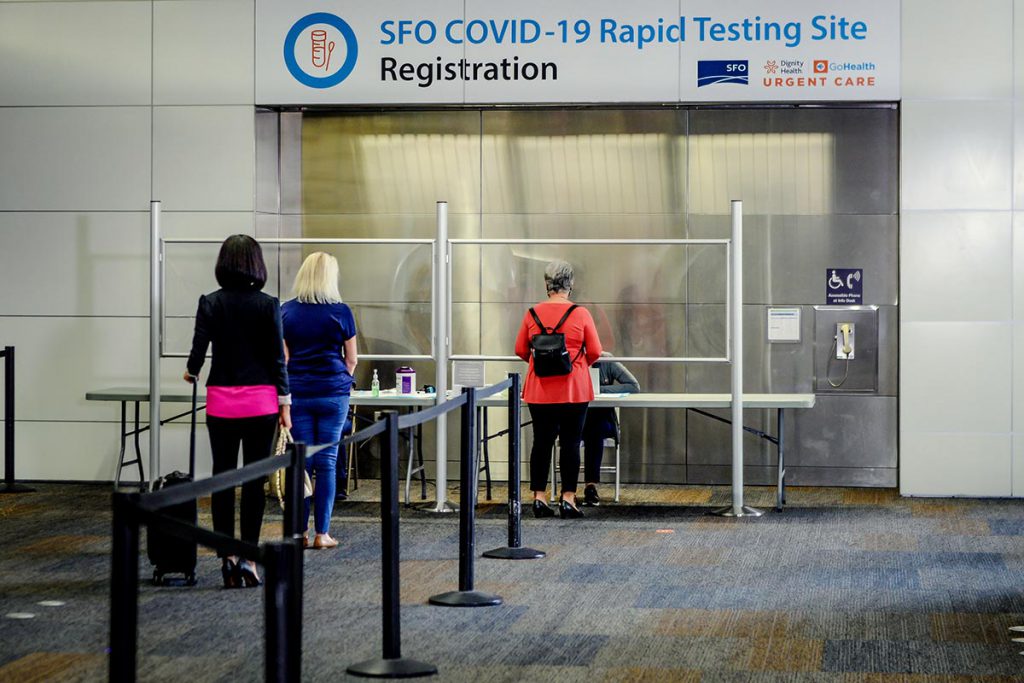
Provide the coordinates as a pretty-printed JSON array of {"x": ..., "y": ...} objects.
[
  {"x": 294, "y": 506},
  {"x": 9, "y": 485},
  {"x": 514, "y": 551},
  {"x": 282, "y": 622},
  {"x": 124, "y": 589},
  {"x": 466, "y": 596},
  {"x": 392, "y": 665}
]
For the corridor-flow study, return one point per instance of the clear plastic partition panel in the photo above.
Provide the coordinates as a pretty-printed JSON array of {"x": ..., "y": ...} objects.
[
  {"x": 387, "y": 284},
  {"x": 637, "y": 293}
]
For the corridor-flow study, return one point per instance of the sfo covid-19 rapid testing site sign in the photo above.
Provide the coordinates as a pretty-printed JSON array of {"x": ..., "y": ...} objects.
[{"x": 492, "y": 51}]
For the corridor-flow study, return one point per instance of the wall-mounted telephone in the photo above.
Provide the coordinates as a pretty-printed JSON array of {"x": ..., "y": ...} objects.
[{"x": 843, "y": 344}]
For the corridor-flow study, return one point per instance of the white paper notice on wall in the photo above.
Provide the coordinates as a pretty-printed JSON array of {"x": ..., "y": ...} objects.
[
  {"x": 467, "y": 373},
  {"x": 784, "y": 325}
]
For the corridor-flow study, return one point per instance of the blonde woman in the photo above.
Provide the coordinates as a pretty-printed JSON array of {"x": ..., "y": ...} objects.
[{"x": 320, "y": 341}]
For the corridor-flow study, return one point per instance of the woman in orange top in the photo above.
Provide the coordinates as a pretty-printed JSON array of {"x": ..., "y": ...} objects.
[{"x": 558, "y": 404}]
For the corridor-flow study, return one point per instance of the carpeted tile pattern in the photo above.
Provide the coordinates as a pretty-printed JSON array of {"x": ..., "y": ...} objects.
[{"x": 845, "y": 586}]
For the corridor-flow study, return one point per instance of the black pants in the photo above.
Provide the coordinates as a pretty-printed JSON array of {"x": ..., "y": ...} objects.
[
  {"x": 256, "y": 434},
  {"x": 563, "y": 421},
  {"x": 599, "y": 426}
]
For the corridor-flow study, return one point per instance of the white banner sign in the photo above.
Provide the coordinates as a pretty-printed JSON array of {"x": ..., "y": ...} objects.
[{"x": 533, "y": 51}]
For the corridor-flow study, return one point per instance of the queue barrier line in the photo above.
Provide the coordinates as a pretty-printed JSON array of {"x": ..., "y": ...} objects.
[{"x": 10, "y": 485}]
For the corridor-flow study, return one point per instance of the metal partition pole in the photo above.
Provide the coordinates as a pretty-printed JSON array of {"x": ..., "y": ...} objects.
[
  {"x": 282, "y": 621},
  {"x": 514, "y": 550},
  {"x": 737, "y": 509},
  {"x": 155, "y": 316},
  {"x": 442, "y": 258},
  {"x": 294, "y": 505},
  {"x": 466, "y": 596},
  {"x": 9, "y": 480},
  {"x": 124, "y": 589}
]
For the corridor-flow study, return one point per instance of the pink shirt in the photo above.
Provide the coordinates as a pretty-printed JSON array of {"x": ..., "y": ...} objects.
[{"x": 237, "y": 402}]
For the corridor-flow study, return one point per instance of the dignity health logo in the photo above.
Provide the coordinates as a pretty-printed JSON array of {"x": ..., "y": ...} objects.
[
  {"x": 710, "y": 72},
  {"x": 320, "y": 50}
]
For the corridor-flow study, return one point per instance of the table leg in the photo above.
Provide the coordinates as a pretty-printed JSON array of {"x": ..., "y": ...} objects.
[
  {"x": 780, "y": 499},
  {"x": 124, "y": 437},
  {"x": 138, "y": 451}
]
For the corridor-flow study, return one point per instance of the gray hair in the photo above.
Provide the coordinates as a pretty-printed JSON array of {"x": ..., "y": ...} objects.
[{"x": 558, "y": 277}]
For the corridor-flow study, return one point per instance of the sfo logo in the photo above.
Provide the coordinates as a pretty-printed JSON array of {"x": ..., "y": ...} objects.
[{"x": 320, "y": 50}]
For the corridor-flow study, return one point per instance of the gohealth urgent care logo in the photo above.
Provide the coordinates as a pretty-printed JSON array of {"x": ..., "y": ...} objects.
[{"x": 320, "y": 50}]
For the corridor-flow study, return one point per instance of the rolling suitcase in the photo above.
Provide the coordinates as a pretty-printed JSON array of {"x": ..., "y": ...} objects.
[{"x": 170, "y": 554}]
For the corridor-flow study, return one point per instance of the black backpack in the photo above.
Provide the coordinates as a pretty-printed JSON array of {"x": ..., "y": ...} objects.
[{"x": 550, "y": 357}]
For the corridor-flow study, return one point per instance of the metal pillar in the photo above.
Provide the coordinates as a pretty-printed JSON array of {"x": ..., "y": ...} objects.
[
  {"x": 442, "y": 340},
  {"x": 737, "y": 509},
  {"x": 155, "y": 297}
]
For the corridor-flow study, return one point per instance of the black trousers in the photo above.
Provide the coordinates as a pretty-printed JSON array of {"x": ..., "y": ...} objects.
[
  {"x": 563, "y": 421},
  {"x": 256, "y": 435}
]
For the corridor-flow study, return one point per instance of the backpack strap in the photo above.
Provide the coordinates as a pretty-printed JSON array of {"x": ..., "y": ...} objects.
[
  {"x": 564, "y": 317},
  {"x": 543, "y": 329}
]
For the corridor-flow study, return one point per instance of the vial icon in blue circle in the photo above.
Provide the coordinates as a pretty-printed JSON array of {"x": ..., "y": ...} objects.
[{"x": 318, "y": 68}]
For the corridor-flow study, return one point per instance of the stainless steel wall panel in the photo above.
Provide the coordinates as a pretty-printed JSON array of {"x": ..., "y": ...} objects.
[
  {"x": 721, "y": 475},
  {"x": 583, "y": 225},
  {"x": 796, "y": 162},
  {"x": 844, "y": 431},
  {"x": 708, "y": 440},
  {"x": 872, "y": 477},
  {"x": 583, "y": 161},
  {"x": 785, "y": 257},
  {"x": 396, "y": 162},
  {"x": 268, "y": 161}
]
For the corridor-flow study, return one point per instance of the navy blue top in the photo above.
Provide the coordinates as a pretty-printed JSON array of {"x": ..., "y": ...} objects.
[{"x": 315, "y": 334}]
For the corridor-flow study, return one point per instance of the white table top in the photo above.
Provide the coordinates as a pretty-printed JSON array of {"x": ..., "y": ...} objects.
[{"x": 390, "y": 398}]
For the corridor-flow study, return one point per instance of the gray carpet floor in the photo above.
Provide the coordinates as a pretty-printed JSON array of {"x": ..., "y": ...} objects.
[{"x": 845, "y": 585}]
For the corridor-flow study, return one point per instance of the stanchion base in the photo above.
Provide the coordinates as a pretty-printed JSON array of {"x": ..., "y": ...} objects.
[
  {"x": 442, "y": 509},
  {"x": 16, "y": 488},
  {"x": 509, "y": 553},
  {"x": 392, "y": 668},
  {"x": 745, "y": 511},
  {"x": 465, "y": 599}
]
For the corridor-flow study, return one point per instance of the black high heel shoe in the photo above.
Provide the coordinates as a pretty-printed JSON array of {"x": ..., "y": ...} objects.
[
  {"x": 229, "y": 570},
  {"x": 250, "y": 579},
  {"x": 541, "y": 509},
  {"x": 568, "y": 511}
]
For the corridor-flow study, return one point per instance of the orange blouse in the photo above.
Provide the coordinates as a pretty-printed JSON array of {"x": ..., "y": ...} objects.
[{"x": 579, "y": 331}]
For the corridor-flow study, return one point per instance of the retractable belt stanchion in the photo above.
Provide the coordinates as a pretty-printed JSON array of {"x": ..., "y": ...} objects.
[
  {"x": 392, "y": 665},
  {"x": 9, "y": 485},
  {"x": 514, "y": 550},
  {"x": 124, "y": 589},
  {"x": 466, "y": 596}
]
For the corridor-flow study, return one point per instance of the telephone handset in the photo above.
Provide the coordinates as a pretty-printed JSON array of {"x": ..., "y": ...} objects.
[{"x": 843, "y": 344}]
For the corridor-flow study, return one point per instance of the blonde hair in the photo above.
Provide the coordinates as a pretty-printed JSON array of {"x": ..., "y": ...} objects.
[{"x": 317, "y": 280}]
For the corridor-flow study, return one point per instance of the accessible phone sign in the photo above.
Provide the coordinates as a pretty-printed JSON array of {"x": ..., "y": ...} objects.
[{"x": 844, "y": 286}]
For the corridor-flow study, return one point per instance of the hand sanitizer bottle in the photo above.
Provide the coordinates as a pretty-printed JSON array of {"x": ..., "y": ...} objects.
[{"x": 375, "y": 385}]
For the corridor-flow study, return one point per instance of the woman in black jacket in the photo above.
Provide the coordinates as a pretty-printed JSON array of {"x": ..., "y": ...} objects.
[{"x": 247, "y": 389}]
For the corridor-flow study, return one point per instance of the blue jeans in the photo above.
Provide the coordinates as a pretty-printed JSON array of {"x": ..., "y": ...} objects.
[{"x": 317, "y": 421}]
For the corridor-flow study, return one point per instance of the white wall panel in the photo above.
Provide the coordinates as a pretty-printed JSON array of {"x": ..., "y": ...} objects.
[
  {"x": 75, "y": 53},
  {"x": 954, "y": 464},
  {"x": 204, "y": 158},
  {"x": 954, "y": 377},
  {"x": 203, "y": 52},
  {"x": 1017, "y": 365},
  {"x": 70, "y": 264},
  {"x": 60, "y": 359},
  {"x": 982, "y": 70},
  {"x": 74, "y": 158},
  {"x": 956, "y": 155},
  {"x": 1018, "y": 266},
  {"x": 956, "y": 266}
]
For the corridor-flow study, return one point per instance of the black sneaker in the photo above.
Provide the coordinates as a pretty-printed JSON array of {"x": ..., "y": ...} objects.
[{"x": 590, "y": 497}]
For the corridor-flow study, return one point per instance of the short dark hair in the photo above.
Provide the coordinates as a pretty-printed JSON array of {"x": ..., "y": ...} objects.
[{"x": 240, "y": 264}]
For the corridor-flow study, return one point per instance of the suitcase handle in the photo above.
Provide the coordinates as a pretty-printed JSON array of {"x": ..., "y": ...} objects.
[{"x": 192, "y": 433}]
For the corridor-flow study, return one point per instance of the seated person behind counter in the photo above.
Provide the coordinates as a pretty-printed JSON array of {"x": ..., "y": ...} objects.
[{"x": 602, "y": 424}]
